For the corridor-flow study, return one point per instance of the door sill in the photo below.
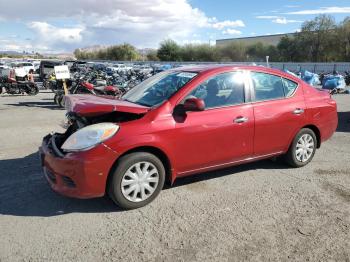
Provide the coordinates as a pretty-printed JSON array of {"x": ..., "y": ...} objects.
[{"x": 228, "y": 164}]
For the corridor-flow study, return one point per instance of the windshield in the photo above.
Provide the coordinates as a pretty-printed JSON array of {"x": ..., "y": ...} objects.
[{"x": 158, "y": 88}]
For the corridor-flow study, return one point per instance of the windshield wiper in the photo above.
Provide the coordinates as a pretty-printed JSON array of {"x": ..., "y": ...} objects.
[{"x": 137, "y": 103}]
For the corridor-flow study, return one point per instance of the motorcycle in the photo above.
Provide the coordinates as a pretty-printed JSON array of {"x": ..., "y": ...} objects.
[
  {"x": 98, "y": 89},
  {"x": 14, "y": 87},
  {"x": 347, "y": 78},
  {"x": 96, "y": 81},
  {"x": 83, "y": 87}
]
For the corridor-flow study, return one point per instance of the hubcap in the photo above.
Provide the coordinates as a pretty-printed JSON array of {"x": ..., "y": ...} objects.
[
  {"x": 305, "y": 147},
  {"x": 140, "y": 181}
]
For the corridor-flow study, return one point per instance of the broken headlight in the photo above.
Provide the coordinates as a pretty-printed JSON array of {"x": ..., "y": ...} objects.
[{"x": 89, "y": 137}]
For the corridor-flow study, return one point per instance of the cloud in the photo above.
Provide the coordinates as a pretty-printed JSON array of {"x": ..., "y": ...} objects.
[
  {"x": 11, "y": 45},
  {"x": 49, "y": 38},
  {"x": 142, "y": 23},
  {"x": 267, "y": 17},
  {"x": 192, "y": 41},
  {"x": 231, "y": 31},
  {"x": 284, "y": 21},
  {"x": 278, "y": 19},
  {"x": 49, "y": 33},
  {"x": 322, "y": 10},
  {"x": 228, "y": 23}
]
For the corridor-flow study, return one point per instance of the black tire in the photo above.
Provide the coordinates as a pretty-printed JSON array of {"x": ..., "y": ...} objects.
[
  {"x": 32, "y": 90},
  {"x": 291, "y": 158},
  {"x": 56, "y": 99},
  {"x": 122, "y": 166},
  {"x": 61, "y": 101}
]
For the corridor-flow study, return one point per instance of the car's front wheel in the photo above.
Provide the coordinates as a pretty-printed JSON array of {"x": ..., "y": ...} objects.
[
  {"x": 302, "y": 149},
  {"x": 137, "y": 180}
]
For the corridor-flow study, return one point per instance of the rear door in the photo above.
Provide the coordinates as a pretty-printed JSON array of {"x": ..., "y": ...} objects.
[{"x": 278, "y": 105}]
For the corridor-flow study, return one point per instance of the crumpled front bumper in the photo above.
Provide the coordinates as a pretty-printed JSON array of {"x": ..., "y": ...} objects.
[{"x": 79, "y": 174}]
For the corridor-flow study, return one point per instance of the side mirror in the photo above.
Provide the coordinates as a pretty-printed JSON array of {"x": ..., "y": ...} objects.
[{"x": 194, "y": 104}]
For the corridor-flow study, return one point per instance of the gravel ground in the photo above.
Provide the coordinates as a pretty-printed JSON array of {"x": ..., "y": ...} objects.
[{"x": 256, "y": 212}]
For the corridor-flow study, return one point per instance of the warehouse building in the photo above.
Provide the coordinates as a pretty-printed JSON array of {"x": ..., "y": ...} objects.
[{"x": 264, "y": 39}]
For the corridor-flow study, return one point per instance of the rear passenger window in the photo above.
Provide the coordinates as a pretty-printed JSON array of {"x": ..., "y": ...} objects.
[
  {"x": 289, "y": 87},
  {"x": 266, "y": 86}
]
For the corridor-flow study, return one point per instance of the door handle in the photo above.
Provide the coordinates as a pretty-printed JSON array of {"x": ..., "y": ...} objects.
[
  {"x": 298, "y": 111},
  {"x": 240, "y": 119}
]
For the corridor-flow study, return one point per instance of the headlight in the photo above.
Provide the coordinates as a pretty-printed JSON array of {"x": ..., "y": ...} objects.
[{"x": 89, "y": 136}]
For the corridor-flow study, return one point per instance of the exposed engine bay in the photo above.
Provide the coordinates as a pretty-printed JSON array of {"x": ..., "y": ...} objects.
[{"x": 76, "y": 122}]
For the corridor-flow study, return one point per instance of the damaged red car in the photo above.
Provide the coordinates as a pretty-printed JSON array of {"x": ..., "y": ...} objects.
[{"x": 182, "y": 122}]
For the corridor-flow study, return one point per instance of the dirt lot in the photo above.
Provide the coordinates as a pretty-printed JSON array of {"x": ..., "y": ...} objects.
[{"x": 256, "y": 212}]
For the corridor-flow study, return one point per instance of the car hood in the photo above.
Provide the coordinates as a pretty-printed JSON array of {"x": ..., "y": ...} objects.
[{"x": 90, "y": 105}]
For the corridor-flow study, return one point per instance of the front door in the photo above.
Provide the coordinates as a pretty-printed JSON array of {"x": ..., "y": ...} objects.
[{"x": 222, "y": 133}]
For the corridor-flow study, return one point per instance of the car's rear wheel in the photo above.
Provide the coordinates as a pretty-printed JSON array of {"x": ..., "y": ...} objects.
[
  {"x": 137, "y": 180},
  {"x": 302, "y": 149}
]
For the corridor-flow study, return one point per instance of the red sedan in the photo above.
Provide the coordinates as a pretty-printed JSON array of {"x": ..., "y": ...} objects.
[{"x": 181, "y": 122}]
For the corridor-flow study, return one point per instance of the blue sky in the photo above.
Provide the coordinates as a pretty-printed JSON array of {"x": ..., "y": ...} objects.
[
  {"x": 61, "y": 26},
  {"x": 273, "y": 16}
]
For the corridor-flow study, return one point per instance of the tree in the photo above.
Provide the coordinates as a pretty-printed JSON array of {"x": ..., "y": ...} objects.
[
  {"x": 201, "y": 53},
  {"x": 169, "y": 50},
  {"x": 316, "y": 37},
  {"x": 258, "y": 52},
  {"x": 343, "y": 40},
  {"x": 152, "y": 56},
  {"x": 124, "y": 52},
  {"x": 233, "y": 52},
  {"x": 288, "y": 49}
]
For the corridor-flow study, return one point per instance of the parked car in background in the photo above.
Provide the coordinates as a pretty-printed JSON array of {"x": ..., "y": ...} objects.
[
  {"x": 77, "y": 65},
  {"x": 36, "y": 65},
  {"x": 69, "y": 63},
  {"x": 120, "y": 67},
  {"x": 145, "y": 69},
  {"x": 99, "y": 66},
  {"x": 47, "y": 67},
  {"x": 26, "y": 66},
  {"x": 3, "y": 66},
  {"x": 182, "y": 122},
  {"x": 161, "y": 67}
]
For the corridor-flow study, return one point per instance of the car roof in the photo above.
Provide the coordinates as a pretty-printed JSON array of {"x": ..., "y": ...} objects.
[
  {"x": 215, "y": 67},
  {"x": 222, "y": 68}
]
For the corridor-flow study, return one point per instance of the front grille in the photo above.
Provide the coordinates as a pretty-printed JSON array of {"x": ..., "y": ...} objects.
[
  {"x": 51, "y": 176},
  {"x": 68, "y": 181}
]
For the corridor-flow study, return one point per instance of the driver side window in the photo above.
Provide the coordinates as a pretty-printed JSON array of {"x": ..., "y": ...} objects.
[{"x": 221, "y": 90}]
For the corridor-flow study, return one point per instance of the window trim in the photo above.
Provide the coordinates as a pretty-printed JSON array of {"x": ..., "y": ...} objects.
[
  {"x": 252, "y": 90},
  {"x": 292, "y": 94},
  {"x": 247, "y": 90}
]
